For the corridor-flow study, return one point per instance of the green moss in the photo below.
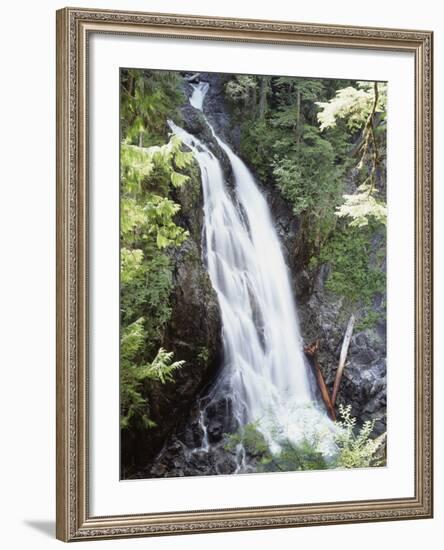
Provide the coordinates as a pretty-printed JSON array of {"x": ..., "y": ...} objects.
[
  {"x": 203, "y": 355},
  {"x": 250, "y": 438},
  {"x": 302, "y": 457},
  {"x": 369, "y": 320},
  {"x": 193, "y": 187},
  {"x": 355, "y": 267}
]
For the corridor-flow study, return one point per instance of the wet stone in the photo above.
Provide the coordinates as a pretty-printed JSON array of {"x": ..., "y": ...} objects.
[
  {"x": 215, "y": 431},
  {"x": 226, "y": 466}
]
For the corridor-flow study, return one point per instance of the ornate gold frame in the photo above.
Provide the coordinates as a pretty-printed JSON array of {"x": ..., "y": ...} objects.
[{"x": 73, "y": 519}]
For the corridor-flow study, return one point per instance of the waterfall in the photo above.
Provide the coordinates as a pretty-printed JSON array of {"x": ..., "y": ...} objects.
[{"x": 265, "y": 373}]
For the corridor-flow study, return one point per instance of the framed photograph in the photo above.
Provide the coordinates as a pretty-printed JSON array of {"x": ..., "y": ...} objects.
[{"x": 244, "y": 274}]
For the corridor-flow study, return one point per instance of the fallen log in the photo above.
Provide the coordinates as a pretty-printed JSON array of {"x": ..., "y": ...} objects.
[
  {"x": 192, "y": 78},
  {"x": 342, "y": 358},
  {"x": 311, "y": 351},
  {"x": 380, "y": 455}
]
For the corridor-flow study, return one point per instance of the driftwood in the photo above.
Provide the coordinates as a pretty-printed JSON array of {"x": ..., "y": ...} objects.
[
  {"x": 311, "y": 351},
  {"x": 342, "y": 358},
  {"x": 193, "y": 77},
  {"x": 380, "y": 455}
]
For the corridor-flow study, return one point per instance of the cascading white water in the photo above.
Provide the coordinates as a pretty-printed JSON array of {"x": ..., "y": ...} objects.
[{"x": 265, "y": 372}]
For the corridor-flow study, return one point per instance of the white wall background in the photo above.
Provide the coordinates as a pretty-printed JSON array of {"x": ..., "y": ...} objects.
[{"x": 27, "y": 298}]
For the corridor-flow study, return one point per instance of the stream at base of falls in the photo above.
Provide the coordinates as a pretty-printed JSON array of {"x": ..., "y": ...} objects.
[{"x": 264, "y": 380}]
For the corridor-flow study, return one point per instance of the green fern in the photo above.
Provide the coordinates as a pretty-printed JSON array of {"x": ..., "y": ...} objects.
[
  {"x": 134, "y": 376},
  {"x": 161, "y": 368}
]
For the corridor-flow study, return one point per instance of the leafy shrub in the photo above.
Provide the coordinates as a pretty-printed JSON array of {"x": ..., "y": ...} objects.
[
  {"x": 242, "y": 88},
  {"x": 348, "y": 252},
  {"x": 353, "y": 448},
  {"x": 250, "y": 438},
  {"x": 294, "y": 457},
  {"x": 134, "y": 374}
]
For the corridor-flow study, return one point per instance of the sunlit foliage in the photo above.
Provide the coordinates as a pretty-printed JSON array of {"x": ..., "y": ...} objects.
[
  {"x": 134, "y": 375},
  {"x": 152, "y": 165},
  {"x": 362, "y": 109}
]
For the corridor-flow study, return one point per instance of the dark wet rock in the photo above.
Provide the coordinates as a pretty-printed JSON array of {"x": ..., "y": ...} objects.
[
  {"x": 215, "y": 431},
  {"x": 159, "y": 470},
  {"x": 194, "y": 330},
  {"x": 226, "y": 465},
  {"x": 174, "y": 449},
  {"x": 193, "y": 434},
  {"x": 363, "y": 384},
  {"x": 217, "y": 109},
  {"x": 190, "y": 462},
  {"x": 193, "y": 121}
]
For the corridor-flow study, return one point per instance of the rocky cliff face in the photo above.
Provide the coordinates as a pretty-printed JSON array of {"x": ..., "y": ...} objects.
[
  {"x": 363, "y": 385},
  {"x": 194, "y": 331}
]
